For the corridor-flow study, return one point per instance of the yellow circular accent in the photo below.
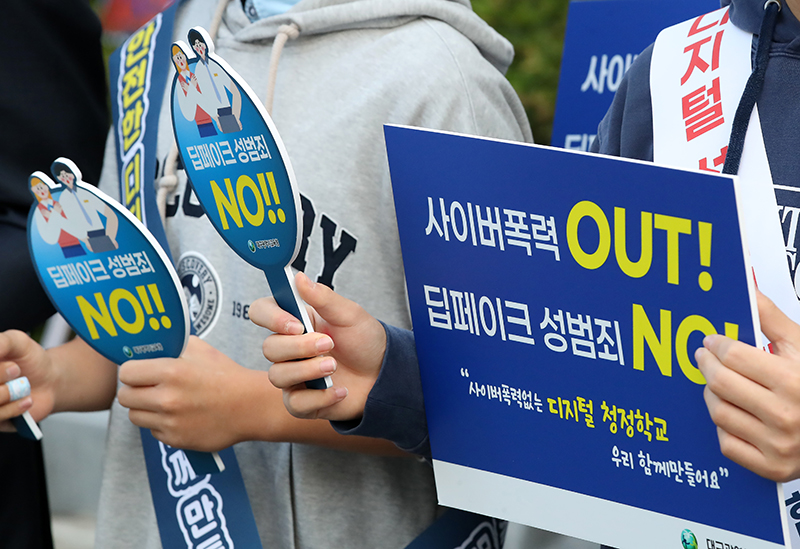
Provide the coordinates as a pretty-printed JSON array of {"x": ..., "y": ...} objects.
[
  {"x": 272, "y": 217},
  {"x": 166, "y": 322},
  {"x": 281, "y": 215},
  {"x": 154, "y": 324}
]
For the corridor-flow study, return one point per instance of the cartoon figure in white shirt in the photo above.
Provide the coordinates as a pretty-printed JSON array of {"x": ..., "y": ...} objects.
[
  {"x": 214, "y": 85},
  {"x": 82, "y": 210},
  {"x": 51, "y": 220}
]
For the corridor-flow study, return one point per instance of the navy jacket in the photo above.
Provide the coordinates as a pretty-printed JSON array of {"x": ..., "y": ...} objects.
[{"x": 627, "y": 128}]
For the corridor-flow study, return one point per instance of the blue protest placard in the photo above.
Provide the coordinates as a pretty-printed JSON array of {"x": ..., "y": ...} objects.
[
  {"x": 602, "y": 39},
  {"x": 557, "y": 300},
  {"x": 238, "y": 167},
  {"x": 103, "y": 271}
]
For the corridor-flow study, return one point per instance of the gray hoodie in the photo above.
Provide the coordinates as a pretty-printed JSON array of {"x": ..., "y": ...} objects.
[{"x": 353, "y": 67}]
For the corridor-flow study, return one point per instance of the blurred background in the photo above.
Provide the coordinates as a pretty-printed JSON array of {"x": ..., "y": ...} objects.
[{"x": 536, "y": 28}]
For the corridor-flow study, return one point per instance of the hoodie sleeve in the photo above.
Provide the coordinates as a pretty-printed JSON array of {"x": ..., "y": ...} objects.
[
  {"x": 443, "y": 82},
  {"x": 627, "y": 128},
  {"x": 395, "y": 408}
]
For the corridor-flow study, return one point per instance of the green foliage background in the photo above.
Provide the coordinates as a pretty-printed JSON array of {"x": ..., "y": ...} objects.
[{"x": 536, "y": 28}]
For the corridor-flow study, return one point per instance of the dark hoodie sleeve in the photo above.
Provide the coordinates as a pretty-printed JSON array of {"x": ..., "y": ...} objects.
[
  {"x": 395, "y": 409},
  {"x": 627, "y": 128}
]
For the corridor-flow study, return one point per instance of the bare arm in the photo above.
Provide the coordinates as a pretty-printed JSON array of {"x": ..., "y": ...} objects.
[{"x": 206, "y": 401}]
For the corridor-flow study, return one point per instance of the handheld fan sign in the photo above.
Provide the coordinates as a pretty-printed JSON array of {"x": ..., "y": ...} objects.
[
  {"x": 106, "y": 274},
  {"x": 238, "y": 167}
]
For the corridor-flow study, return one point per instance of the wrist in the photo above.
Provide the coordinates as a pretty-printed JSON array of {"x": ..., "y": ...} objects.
[
  {"x": 78, "y": 378},
  {"x": 55, "y": 384},
  {"x": 261, "y": 413}
]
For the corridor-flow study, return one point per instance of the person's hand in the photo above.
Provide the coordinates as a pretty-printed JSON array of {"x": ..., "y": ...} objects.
[
  {"x": 347, "y": 342},
  {"x": 754, "y": 396},
  {"x": 22, "y": 356},
  {"x": 201, "y": 401}
]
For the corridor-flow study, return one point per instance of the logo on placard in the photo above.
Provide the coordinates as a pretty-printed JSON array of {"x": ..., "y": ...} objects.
[
  {"x": 127, "y": 351},
  {"x": 202, "y": 288},
  {"x": 688, "y": 539},
  {"x": 251, "y": 245}
]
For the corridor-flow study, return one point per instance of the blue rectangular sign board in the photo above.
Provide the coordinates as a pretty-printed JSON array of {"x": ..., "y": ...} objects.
[
  {"x": 557, "y": 299},
  {"x": 602, "y": 40}
]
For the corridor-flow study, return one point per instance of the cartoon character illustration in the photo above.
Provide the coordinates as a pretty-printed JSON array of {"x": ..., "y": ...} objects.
[
  {"x": 46, "y": 204},
  {"x": 82, "y": 210},
  {"x": 188, "y": 101},
  {"x": 51, "y": 220},
  {"x": 214, "y": 84}
]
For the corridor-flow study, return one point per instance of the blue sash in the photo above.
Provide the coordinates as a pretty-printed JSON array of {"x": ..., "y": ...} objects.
[
  {"x": 457, "y": 529},
  {"x": 193, "y": 511}
]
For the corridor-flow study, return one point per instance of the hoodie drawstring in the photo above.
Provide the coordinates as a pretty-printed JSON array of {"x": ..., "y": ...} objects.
[
  {"x": 285, "y": 33},
  {"x": 752, "y": 90},
  {"x": 216, "y": 20},
  {"x": 169, "y": 181}
]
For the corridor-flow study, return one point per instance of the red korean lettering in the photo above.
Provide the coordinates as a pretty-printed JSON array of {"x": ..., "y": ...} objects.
[
  {"x": 696, "y": 62},
  {"x": 696, "y": 29},
  {"x": 717, "y": 162},
  {"x": 701, "y": 114}
]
